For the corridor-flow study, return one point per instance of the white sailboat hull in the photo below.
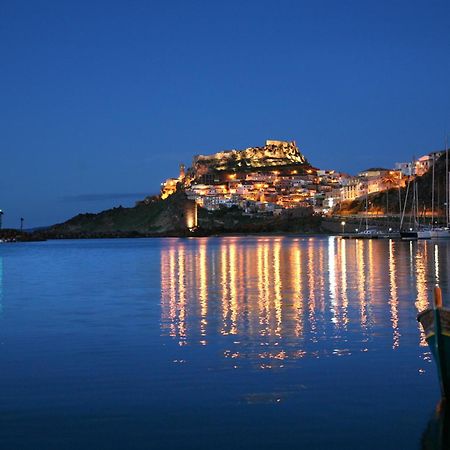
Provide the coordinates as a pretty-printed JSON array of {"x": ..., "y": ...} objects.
[{"x": 440, "y": 233}]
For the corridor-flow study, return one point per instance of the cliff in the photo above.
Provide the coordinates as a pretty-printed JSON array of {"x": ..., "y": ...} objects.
[
  {"x": 150, "y": 217},
  {"x": 169, "y": 217}
]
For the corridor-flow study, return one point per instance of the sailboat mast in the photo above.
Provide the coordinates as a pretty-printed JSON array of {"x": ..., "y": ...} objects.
[
  {"x": 367, "y": 203},
  {"x": 415, "y": 205},
  {"x": 387, "y": 208},
  {"x": 402, "y": 218},
  {"x": 447, "y": 194},
  {"x": 432, "y": 196}
]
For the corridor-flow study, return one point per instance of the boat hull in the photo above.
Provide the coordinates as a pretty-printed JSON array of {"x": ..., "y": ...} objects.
[
  {"x": 425, "y": 234},
  {"x": 436, "y": 325},
  {"x": 440, "y": 233}
]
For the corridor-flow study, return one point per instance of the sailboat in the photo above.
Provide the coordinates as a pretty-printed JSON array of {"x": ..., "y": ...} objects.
[
  {"x": 441, "y": 232},
  {"x": 367, "y": 233},
  {"x": 415, "y": 231}
]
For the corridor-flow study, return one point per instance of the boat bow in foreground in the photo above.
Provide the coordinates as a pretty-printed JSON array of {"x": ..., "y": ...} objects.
[{"x": 436, "y": 325}]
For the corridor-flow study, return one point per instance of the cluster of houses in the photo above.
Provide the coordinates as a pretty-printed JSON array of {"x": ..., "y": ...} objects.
[{"x": 272, "y": 192}]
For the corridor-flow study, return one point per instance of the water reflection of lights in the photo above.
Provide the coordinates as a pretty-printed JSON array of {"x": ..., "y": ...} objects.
[
  {"x": 181, "y": 310},
  {"x": 277, "y": 286},
  {"x": 311, "y": 290},
  {"x": 296, "y": 266},
  {"x": 361, "y": 270},
  {"x": 203, "y": 288},
  {"x": 233, "y": 288},
  {"x": 421, "y": 284},
  {"x": 343, "y": 269},
  {"x": 274, "y": 300},
  {"x": 393, "y": 301},
  {"x": 332, "y": 272},
  {"x": 436, "y": 263},
  {"x": 421, "y": 277}
]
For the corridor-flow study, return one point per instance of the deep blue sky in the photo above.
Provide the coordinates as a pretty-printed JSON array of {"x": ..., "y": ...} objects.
[{"x": 101, "y": 100}]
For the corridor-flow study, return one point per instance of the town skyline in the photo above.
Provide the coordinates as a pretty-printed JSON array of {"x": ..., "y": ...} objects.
[
  {"x": 357, "y": 189},
  {"x": 277, "y": 178}
]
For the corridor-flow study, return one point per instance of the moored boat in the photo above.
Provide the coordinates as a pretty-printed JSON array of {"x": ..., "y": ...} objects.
[
  {"x": 436, "y": 325},
  {"x": 440, "y": 233},
  {"x": 415, "y": 234}
]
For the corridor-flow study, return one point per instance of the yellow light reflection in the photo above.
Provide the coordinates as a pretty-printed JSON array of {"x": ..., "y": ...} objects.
[
  {"x": 203, "y": 289},
  {"x": 181, "y": 309},
  {"x": 224, "y": 288},
  {"x": 344, "y": 282},
  {"x": 421, "y": 284},
  {"x": 273, "y": 299},
  {"x": 436, "y": 263},
  {"x": 277, "y": 287},
  {"x": 311, "y": 289},
  {"x": 332, "y": 272},
  {"x": 393, "y": 301},
  {"x": 233, "y": 272},
  {"x": 296, "y": 264},
  {"x": 361, "y": 274}
]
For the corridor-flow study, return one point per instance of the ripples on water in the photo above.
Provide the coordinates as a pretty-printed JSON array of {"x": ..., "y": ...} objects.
[
  {"x": 217, "y": 342},
  {"x": 286, "y": 295}
]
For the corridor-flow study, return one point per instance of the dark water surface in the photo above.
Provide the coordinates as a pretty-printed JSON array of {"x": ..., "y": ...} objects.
[{"x": 218, "y": 343}]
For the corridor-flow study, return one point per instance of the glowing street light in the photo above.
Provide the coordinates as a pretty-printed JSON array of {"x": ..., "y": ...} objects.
[{"x": 343, "y": 227}]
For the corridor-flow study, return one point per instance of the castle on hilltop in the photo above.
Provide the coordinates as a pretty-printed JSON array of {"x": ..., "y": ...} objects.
[
  {"x": 276, "y": 179},
  {"x": 217, "y": 170},
  {"x": 274, "y": 153}
]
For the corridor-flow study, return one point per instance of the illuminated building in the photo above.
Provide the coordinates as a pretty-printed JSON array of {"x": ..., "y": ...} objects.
[{"x": 190, "y": 215}]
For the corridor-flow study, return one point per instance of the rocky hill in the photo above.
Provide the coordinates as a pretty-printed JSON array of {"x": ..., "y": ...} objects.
[
  {"x": 274, "y": 154},
  {"x": 156, "y": 217},
  {"x": 149, "y": 217}
]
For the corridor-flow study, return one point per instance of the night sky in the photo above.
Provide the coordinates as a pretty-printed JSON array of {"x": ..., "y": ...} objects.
[{"x": 101, "y": 100}]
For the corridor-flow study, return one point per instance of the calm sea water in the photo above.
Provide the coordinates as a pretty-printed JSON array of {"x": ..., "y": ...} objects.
[{"x": 217, "y": 343}]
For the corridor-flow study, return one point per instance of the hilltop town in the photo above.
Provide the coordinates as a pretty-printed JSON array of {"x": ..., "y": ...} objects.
[
  {"x": 270, "y": 189},
  {"x": 277, "y": 178}
]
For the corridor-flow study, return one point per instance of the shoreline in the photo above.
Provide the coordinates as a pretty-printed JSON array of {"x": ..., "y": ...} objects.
[{"x": 193, "y": 235}]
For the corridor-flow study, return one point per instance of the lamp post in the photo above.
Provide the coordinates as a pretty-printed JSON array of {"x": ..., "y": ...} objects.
[
  {"x": 1, "y": 216},
  {"x": 343, "y": 227},
  {"x": 21, "y": 223}
]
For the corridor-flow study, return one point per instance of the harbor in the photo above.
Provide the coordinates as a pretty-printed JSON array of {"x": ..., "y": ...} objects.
[
  {"x": 225, "y": 225},
  {"x": 172, "y": 328}
]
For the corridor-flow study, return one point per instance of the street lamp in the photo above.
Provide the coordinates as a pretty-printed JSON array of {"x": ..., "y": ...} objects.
[
  {"x": 21, "y": 223},
  {"x": 343, "y": 227},
  {"x": 1, "y": 215}
]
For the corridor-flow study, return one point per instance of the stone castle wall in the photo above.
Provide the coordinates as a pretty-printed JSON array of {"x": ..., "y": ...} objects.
[{"x": 274, "y": 153}]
